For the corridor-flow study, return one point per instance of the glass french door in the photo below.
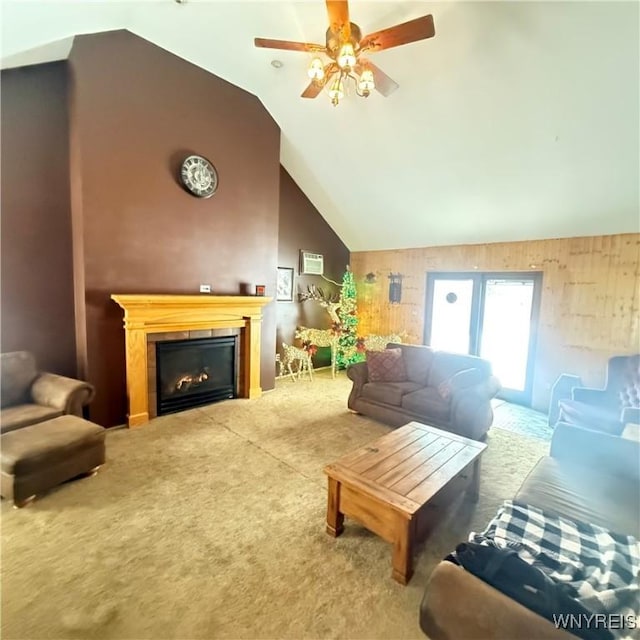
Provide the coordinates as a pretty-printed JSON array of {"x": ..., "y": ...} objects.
[
  {"x": 491, "y": 315},
  {"x": 451, "y": 306}
]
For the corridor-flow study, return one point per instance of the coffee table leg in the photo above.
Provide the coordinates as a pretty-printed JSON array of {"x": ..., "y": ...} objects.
[
  {"x": 335, "y": 519},
  {"x": 473, "y": 491},
  {"x": 402, "y": 561}
]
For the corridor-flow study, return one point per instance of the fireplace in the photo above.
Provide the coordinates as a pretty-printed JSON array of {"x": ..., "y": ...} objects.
[
  {"x": 190, "y": 373},
  {"x": 150, "y": 317}
]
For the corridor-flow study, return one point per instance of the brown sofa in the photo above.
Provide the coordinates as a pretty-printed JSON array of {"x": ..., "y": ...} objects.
[
  {"x": 465, "y": 409},
  {"x": 29, "y": 396},
  {"x": 589, "y": 476}
]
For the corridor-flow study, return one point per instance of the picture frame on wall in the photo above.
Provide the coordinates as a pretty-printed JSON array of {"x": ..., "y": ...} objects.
[{"x": 284, "y": 284}]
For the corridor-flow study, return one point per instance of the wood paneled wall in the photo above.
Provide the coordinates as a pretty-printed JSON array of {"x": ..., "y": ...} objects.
[{"x": 590, "y": 307}]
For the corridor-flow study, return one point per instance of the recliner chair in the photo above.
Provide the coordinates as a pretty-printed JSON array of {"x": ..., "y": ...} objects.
[
  {"x": 29, "y": 396},
  {"x": 610, "y": 408}
]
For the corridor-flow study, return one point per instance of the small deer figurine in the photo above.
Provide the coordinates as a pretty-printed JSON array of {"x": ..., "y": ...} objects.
[{"x": 294, "y": 355}]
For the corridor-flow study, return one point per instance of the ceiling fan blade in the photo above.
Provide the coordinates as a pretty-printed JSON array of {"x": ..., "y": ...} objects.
[
  {"x": 418, "y": 29},
  {"x": 289, "y": 45},
  {"x": 384, "y": 84},
  {"x": 338, "y": 11},
  {"x": 314, "y": 88}
]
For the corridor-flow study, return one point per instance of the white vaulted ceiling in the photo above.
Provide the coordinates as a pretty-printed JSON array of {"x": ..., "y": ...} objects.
[{"x": 517, "y": 121}]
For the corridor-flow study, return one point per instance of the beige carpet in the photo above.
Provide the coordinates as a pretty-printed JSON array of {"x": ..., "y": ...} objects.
[{"x": 210, "y": 524}]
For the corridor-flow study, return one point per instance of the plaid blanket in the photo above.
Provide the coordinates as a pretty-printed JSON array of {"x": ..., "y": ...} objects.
[{"x": 598, "y": 568}]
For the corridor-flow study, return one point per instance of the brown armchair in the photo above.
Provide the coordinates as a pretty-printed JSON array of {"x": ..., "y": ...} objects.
[
  {"x": 610, "y": 408},
  {"x": 29, "y": 396}
]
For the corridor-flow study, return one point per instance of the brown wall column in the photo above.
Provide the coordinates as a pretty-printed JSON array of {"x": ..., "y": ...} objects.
[
  {"x": 137, "y": 112},
  {"x": 36, "y": 297}
]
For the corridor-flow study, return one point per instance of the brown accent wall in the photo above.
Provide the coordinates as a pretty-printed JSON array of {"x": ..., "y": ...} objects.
[
  {"x": 36, "y": 298},
  {"x": 590, "y": 306},
  {"x": 137, "y": 111},
  {"x": 302, "y": 227}
]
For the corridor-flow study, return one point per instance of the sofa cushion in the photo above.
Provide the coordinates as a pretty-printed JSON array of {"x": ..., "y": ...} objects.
[
  {"x": 601, "y": 418},
  {"x": 583, "y": 494},
  {"x": 428, "y": 403},
  {"x": 18, "y": 371},
  {"x": 460, "y": 380},
  {"x": 446, "y": 364},
  {"x": 386, "y": 366},
  {"x": 388, "y": 392},
  {"x": 23, "y": 415},
  {"x": 417, "y": 361}
]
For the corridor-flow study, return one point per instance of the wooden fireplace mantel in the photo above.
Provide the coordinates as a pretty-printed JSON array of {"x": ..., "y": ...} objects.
[{"x": 152, "y": 313}]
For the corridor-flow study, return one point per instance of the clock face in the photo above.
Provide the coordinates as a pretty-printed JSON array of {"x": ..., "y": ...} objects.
[{"x": 199, "y": 176}]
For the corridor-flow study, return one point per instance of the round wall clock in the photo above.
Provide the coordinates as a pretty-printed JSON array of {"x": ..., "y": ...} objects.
[{"x": 199, "y": 176}]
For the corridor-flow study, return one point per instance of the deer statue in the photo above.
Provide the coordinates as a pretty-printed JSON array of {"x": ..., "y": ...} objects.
[
  {"x": 331, "y": 302},
  {"x": 323, "y": 337},
  {"x": 294, "y": 355}
]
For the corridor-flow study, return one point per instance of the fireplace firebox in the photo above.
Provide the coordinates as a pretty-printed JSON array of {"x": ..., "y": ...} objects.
[{"x": 190, "y": 373}]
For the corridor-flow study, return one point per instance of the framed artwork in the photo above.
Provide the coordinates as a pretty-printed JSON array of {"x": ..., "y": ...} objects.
[{"x": 284, "y": 285}]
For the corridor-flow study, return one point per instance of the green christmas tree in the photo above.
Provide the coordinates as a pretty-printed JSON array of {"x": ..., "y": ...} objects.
[{"x": 348, "y": 352}]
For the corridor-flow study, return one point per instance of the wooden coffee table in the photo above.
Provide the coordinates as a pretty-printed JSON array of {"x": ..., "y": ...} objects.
[{"x": 386, "y": 484}]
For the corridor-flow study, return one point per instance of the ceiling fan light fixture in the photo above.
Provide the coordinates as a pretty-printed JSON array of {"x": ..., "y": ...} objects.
[
  {"x": 346, "y": 58},
  {"x": 336, "y": 92},
  {"x": 344, "y": 45},
  {"x": 366, "y": 84},
  {"x": 316, "y": 70}
]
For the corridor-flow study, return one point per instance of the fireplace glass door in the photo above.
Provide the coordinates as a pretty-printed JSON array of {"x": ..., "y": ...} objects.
[{"x": 191, "y": 373}]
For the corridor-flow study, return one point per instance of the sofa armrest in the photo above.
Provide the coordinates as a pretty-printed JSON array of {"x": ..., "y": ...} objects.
[
  {"x": 457, "y": 605},
  {"x": 631, "y": 414},
  {"x": 491, "y": 386},
  {"x": 59, "y": 392},
  {"x": 482, "y": 391},
  {"x": 358, "y": 372},
  {"x": 596, "y": 450},
  {"x": 471, "y": 412}
]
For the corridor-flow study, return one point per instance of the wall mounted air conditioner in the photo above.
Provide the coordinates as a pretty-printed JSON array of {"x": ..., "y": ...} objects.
[{"x": 311, "y": 264}]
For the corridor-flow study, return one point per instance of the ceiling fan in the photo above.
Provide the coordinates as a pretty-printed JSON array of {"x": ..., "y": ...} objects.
[{"x": 345, "y": 47}]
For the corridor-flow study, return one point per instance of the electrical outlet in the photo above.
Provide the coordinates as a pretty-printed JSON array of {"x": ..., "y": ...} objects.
[{"x": 205, "y": 288}]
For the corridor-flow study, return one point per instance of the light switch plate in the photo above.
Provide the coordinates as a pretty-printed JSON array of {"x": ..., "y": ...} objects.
[{"x": 205, "y": 288}]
